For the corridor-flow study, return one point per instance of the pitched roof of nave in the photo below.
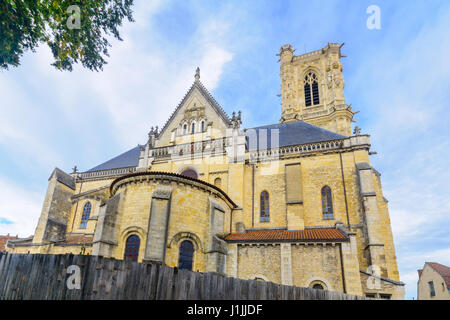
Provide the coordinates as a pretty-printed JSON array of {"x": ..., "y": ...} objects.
[
  {"x": 293, "y": 133},
  {"x": 290, "y": 133}
]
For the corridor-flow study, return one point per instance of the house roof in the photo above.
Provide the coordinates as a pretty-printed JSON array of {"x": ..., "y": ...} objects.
[
  {"x": 443, "y": 271},
  {"x": 270, "y": 235},
  {"x": 290, "y": 133},
  {"x": 4, "y": 239}
]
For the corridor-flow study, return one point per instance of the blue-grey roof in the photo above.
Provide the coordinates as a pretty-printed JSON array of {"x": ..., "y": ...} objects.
[
  {"x": 126, "y": 159},
  {"x": 290, "y": 133}
]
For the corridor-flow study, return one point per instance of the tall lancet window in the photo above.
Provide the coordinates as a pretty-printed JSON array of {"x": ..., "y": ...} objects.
[
  {"x": 85, "y": 216},
  {"x": 265, "y": 213},
  {"x": 311, "y": 89},
  {"x": 193, "y": 128},
  {"x": 327, "y": 203}
]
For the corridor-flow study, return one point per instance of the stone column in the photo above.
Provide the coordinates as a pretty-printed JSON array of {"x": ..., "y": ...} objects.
[
  {"x": 158, "y": 225},
  {"x": 232, "y": 260},
  {"x": 52, "y": 225},
  {"x": 106, "y": 232},
  {"x": 350, "y": 266},
  {"x": 286, "y": 264},
  {"x": 372, "y": 215}
]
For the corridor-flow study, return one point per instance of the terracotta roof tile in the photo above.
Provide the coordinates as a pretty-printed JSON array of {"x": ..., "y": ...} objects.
[
  {"x": 444, "y": 271},
  {"x": 323, "y": 234},
  {"x": 4, "y": 239},
  {"x": 77, "y": 239}
]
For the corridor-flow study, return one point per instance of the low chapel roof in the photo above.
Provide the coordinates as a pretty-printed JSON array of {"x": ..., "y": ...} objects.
[
  {"x": 127, "y": 159},
  {"x": 273, "y": 235}
]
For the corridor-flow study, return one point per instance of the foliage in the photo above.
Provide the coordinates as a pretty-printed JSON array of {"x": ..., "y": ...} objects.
[{"x": 24, "y": 24}]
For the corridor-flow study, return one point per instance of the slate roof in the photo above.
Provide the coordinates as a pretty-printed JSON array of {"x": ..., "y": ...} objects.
[
  {"x": 311, "y": 235},
  {"x": 126, "y": 159},
  {"x": 290, "y": 133}
]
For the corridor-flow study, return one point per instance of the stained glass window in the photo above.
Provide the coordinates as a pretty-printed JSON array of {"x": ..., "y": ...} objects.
[
  {"x": 132, "y": 248},
  {"x": 85, "y": 216},
  {"x": 265, "y": 213},
  {"x": 327, "y": 203},
  {"x": 186, "y": 255}
]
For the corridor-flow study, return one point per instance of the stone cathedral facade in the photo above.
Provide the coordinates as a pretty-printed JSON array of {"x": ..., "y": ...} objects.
[{"x": 296, "y": 202}]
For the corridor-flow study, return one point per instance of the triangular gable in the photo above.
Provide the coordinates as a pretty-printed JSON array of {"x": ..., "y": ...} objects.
[{"x": 196, "y": 86}]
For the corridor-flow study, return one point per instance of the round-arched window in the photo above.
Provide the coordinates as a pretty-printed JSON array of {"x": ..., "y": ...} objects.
[
  {"x": 132, "y": 248},
  {"x": 186, "y": 255},
  {"x": 218, "y": 182},
  {"x": 190, "y": 173}
]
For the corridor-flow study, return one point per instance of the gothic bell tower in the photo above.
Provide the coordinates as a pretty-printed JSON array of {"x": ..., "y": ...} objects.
[{"x": 312, "y": 88}]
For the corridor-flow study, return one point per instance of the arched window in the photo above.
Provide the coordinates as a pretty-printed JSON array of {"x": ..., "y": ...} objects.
[
  {"x": 85, "y": 216},
  {"x": 264, "y": 206},
  {"x": 218, "y": 182},
  {"x": 311, "y": 89},
  {"x": 185, "y": 129},
  {"x": 190, "y": 173},
  {"x": 319, "y": 285},
  {"x": 327, "y": 203},
  {"x": 203, "y": 125},
  {"x": 193, "y": 128},
  {"x": 132, "y": 248},
  {"x": 186, "y": 255}
]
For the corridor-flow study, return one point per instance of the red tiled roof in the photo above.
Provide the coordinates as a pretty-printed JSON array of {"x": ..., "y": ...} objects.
[
  {"x": 4, "y": 239},
  {"x": 323, "y": 234},
  {"x": 444, "y": 271},
  {"x": 420, "y": 272},
  {"x": 77, "y": 239}
]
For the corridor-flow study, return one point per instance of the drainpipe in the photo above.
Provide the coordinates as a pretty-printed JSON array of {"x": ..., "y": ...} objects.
[
  {"x": 342, "y": 269},
  {"x": 343, "y": 183},
  {"x": 76, "y": 207}
]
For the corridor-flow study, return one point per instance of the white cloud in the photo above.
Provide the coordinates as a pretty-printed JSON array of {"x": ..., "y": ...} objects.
[{"x": 20, "y": 206}]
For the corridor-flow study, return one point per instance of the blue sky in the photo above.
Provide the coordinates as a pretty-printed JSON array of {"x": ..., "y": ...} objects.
[{"x": 398, "y": 77}]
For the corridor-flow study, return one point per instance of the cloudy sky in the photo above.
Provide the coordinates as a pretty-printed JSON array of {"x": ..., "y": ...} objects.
[{"x": 397, "y": 76}]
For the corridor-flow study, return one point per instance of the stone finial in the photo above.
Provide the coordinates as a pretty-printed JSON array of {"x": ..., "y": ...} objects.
[
  {"x": 357, "y": 131},
  {"x": 197, "y": 74},
  {"x": 75, "y": 169},
  {"x": 236, "y": 120}
]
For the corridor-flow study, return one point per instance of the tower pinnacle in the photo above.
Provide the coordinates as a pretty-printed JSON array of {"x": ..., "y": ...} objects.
[{"x": 197, "y": 74}]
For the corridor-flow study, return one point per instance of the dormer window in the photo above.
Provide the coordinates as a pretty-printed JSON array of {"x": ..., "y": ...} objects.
[{"x": 311, "y": 89}]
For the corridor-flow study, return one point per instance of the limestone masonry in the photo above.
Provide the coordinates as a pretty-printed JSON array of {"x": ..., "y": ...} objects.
[{"x": 295, "y": 203}]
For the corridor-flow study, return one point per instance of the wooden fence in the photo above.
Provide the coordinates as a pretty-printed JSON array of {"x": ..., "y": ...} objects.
[{"x": 45, "y": 276}]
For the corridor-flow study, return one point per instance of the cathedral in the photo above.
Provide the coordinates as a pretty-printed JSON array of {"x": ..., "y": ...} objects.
[{"x": 296, "y": 202}]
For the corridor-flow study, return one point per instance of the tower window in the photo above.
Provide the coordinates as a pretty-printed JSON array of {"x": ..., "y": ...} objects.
[
  {"x": 193, "y": 128},
  {"x": 265, "y": 213},
  {"x": 85, "y": 216},
  {"x": 311, "y": 89},
  {"x": 132, "y": 248},
  {"x": 203, "y": 126},
  {"x": 327, "y": 203},
  {"x": 186, "y": 255},
  {"x": 185, "y": 129}
]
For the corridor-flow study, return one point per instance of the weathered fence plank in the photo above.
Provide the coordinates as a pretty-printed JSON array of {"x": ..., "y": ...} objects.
[{"x": 40, "y": 276}]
